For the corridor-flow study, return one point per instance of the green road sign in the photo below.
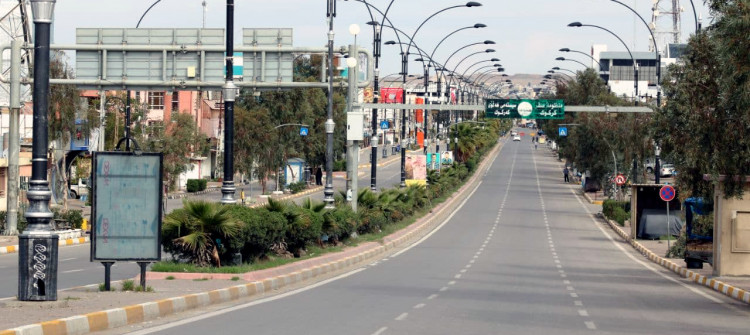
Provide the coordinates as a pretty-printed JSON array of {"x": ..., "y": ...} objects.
[{"x": 524, "y": 109}]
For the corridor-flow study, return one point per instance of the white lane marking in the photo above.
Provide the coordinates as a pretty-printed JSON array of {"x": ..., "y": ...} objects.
[
  {"x": 648, "y": 266},
  {"x": 432, "y": 297},
  {"x": 578, "y": 303},
  {"x": 443, "y": 289},
  {"x": 590, "y": 325},
  {"x": 472, "y": 261},
  {"x": 380, "y": 331},
  {"x": 570, "y": 288},
  {"x": 452, "y": 282},
  {"x": 402, "y": 317},
  {"x": 574, "y": 295},
  {"x": 76, "y": 270},
  {"x": 67, "y": 259},
  {"x": 442, "y": 224},
  {"x": 418, "y": 306},
  {"x": 562, "y": 275},
  {"x": 583, "y": 312},
  {"x": 566, "y": 282},
  {"x": 463, "y": 271},
  {"x": 468, "y": 266},
  {"x": 238, "y": 307},
  {"x": 458, "y": 276},
  {"x": 559, "y": 266}
]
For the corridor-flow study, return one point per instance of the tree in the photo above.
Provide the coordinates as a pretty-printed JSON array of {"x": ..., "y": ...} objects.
[
  {"x": 704, "y": 124},
  {"x": 180, "y": 141}
]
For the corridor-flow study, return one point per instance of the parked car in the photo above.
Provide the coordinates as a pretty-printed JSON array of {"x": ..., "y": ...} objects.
[
  {"x": 516, "y": 138},
  {"x": 667, "y": 170},
  {"x": 78, "y": 189}
]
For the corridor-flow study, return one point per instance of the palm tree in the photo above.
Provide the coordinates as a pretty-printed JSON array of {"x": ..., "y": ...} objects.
[
  {"x": 467, "y": 141},
  {"x": 205, "y": 224}
]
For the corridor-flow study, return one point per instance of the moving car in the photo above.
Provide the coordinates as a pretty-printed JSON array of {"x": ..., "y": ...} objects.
[{"x": 516, "y": 138}]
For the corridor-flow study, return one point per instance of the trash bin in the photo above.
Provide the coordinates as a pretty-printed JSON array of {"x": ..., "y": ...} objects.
[
  {"x": 385, "y": 152},
  {"x": 393, "y": 150}
]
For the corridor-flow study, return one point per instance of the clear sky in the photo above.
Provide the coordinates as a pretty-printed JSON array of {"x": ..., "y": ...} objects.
[{"x": 528, "y": 33}]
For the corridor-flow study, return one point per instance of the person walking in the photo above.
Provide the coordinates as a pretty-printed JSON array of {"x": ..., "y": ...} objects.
[
  {"x": 566, "y": 174},
  {"x": 319, "y": 176}
]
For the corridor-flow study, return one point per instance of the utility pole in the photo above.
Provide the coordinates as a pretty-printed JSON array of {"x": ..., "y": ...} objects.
[
  {"x": 13, "y": 145},
  {"x": 329, "y": 125},
  {"x": 352, "y": 162}
]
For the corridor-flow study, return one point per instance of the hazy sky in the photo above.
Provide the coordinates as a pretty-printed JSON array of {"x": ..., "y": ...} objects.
[{"x": 528, "y": 33}]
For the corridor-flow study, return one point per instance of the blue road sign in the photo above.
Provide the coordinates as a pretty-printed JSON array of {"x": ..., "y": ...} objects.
[
  {"x": 303, "y": 131},
  {"x": 562, "y": 131},
  {"x": 383, "y": 124}
]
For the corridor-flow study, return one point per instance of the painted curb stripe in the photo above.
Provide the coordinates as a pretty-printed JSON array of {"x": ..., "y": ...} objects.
[
  {"x": 117, "y": 317},
  {"x": 716, "y": 285}
]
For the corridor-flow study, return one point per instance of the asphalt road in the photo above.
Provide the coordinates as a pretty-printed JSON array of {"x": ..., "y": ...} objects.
[
  {"x": 75, "y": 269},
  {"x": 523, "y": 255}
]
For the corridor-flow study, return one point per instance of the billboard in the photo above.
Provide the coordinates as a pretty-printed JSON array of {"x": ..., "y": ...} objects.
[
  {"x": 391, "y": 95},
  {"x": 416, "y": 169},
  {"x": 126, "y": 209},
  {"x": 524, "y": 109}
]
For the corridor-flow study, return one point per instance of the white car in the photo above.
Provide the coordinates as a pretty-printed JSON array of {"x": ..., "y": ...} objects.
[{"x": 516, "y": 138}]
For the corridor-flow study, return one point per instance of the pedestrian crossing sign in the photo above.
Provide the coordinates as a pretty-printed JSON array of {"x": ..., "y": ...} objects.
[
  {"x": 303, "y": 131},
  {"x": 562, "y": 131}
]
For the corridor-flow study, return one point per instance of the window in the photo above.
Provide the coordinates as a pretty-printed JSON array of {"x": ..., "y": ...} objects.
[
  {"x": 175, "y": 102},
  {"x": 156, "y": 100}
]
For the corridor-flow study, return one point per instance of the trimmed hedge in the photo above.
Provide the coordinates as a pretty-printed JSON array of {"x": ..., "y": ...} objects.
[
  {"x": 618, "y": 211},
  {"x": 282, "y": 227},
  {"x": 195, "y": 185}
]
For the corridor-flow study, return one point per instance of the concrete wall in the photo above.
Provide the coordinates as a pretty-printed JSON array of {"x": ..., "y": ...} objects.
[{"x": 731, "y": 235}]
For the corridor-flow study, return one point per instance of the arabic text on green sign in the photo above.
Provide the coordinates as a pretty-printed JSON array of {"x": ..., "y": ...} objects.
[{"x": 524, "y": 109}]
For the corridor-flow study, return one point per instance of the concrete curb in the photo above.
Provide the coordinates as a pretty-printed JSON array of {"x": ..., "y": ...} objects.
[
  {"x": 118, "y": 317},
  {"x": 592, "y": 201},
  {"x": 63, "y": 242},
  {"x": 716, "y": 285}
]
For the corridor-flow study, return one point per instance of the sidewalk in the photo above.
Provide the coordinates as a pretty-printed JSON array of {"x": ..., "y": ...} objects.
[
  {"x": 656, "y": 250},
  {"x": 85, "y": 309}
]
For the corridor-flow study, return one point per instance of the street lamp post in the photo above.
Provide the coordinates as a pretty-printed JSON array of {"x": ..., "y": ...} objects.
[
  {"x": 37, "y": 260},
  {"x": 230, "y": 93},
  {"x": 635, "y": 64},
  {"x": 656, "y": 48},
  {"x": 558, "y": 68},
  {"x": 329, "y": 125},
  {"x": 583, "y": 53},
  {"x": 571, "y": 60}
]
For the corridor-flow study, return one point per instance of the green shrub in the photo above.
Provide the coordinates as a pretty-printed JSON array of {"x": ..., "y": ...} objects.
[
  {"x": 305, "y": 226},
  {"x": 339, "y": 165},
  {"x": 372, "y": 222},
  {"x": 195, "y": 185},
  {"x": 620, "y": 215},
  {"x": 340, "y": 222},
  {"x": 260, "y": 230},
  {"x": 128, "y": 285},
  {"x": 74, "y": 217},
  {"x": 609, "y": 205},
  {"x": 297, "y": 187}
]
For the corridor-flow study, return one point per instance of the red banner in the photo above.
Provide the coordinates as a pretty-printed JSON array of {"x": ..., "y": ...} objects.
[
  {"x": 391, "y": 95},
  {"x": 419, "y": 117}
]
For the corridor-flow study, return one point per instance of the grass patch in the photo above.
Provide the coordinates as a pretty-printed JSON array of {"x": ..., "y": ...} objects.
[
  {"x": 235, "y": 278},
  {"x": 169, "y": 278},
  {"x": 101, "y": 287},
  {"x": 71, "y": 298},
  {"x": 140, "y": 289},
  {"x": 201, "y": 279},
  {"x": 128, "y": 285}
]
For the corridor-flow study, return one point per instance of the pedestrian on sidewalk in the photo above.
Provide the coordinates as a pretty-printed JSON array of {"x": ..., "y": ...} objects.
[
  {"x": 319, "y": 176},
  {"x": 566, "y": 174}
]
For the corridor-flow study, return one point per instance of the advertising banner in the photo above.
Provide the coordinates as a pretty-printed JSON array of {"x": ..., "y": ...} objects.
[
  {"x": 391, "y": 95},
  {"x": 416, "y": 169}
]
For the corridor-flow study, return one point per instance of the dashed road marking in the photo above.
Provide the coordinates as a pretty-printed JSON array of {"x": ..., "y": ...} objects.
[
  {"x": 418, "y": 306},
  {"x": 402, "y": 317}
]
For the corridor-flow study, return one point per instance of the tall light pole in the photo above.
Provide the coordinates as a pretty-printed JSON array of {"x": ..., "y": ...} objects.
[
  {"x": 582, "y": 53},
  {"x": 571, "y": 60},
  {"x": 230, "y": 93},
  {"x": 37, "y": 260},
  {"x": 635, "y": 64},
  {"x": 329, "y": 125},
  {"x": 656, "y": 48}
]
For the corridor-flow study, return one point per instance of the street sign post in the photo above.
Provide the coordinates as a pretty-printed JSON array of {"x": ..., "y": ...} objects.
[
  {"x": 667, "y": 193},
  {"x": 524, "y": 109},
  {"x": 620, "y": 179}
]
